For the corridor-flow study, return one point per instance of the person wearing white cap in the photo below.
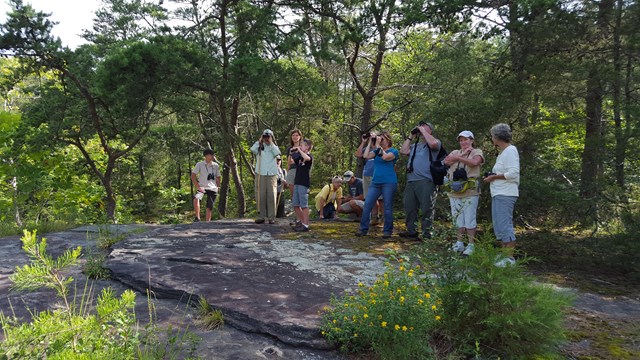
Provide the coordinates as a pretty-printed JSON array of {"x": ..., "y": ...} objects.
[
  {"x": 266, "y": 183},
  {"x": 354, "y": 201},
  {"x": 463, "y": 189},
  {"x": 420, "y": 191}
]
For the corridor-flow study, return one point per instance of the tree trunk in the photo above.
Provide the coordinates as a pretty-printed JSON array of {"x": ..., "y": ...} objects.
[
  {"x": 110, "y": 196},
  {"x": 592, "y": 138},
  {"x": 16, "y": 209},
  {"x": 621, "y": 142},
  {"x": 593, "y": 153}
]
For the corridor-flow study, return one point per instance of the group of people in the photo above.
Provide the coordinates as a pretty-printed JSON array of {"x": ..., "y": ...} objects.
[{"x": 370, "y": 199}]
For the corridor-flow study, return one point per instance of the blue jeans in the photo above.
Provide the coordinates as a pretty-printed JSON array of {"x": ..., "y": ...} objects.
[
  {"x": 387, "y": 190},
  {"x": 502, "y": 216}
]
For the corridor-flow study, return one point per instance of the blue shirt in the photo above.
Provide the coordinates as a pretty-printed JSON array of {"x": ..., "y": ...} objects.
[
  {"x": 356, "y": 188},
  {"x": 384, "y": 171},
  {"x": 368, "y": 166}
]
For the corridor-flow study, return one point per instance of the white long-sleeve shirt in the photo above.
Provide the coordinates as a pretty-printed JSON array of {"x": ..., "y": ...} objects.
[{"x": 507, "y": 164}]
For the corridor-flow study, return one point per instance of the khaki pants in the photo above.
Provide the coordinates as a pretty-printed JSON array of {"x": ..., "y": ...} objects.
[{"x": 266, "y": 194}]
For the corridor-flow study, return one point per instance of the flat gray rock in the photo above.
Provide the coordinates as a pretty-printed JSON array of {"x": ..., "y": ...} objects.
[{"x": 262, "y": 284}]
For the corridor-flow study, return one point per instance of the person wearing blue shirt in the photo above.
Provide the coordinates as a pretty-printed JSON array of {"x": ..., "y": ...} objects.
[
  {"x": 384, "y": 182},
  {"x": 367, "y": 177}
]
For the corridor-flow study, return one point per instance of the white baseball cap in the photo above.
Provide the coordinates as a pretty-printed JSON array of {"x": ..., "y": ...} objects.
[
  {"x": 467, "y": 134},
  {"x": 347, "y": 175}
]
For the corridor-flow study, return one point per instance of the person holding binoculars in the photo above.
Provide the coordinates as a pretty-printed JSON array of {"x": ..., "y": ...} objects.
[
  {"x": 206, "y": 178},
  {"x": 384, "y": 182},
  {"x": 266, "y": 183},
  {"x": 420, "y": 191}
]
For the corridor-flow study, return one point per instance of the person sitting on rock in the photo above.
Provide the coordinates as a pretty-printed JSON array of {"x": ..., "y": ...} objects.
[
  {"x": 353, "y": 203},
  {"x": 328, "y": 197}
]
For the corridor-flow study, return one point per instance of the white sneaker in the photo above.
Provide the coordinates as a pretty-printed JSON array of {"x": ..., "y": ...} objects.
[
  {"x": 508, "y": 261},
  {"x": 458, "y": 247},
  {"x": 469, "y": 250}
]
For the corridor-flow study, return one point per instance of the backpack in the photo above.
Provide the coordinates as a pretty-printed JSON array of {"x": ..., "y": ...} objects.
[{"x": 437, "y": 167}]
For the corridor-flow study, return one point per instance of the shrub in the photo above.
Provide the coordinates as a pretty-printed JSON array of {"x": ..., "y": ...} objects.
[
  {"x": 494, "y": 311},
  {"x": 68, "y": 332},
  {"x": 393, "y": 318}
]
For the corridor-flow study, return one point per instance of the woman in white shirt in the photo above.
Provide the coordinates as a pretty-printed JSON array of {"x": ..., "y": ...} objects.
[{"x": 504, "y": 180}]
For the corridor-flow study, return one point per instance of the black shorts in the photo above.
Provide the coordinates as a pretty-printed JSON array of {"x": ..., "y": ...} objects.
[{"x": 211, "y": 197}]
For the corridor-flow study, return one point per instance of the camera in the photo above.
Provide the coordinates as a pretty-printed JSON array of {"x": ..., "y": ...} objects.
[
  {"x": 374, "y": 139},
  {"x": 366, "y": 136},
  {"x": 279, "y": 181},
  {"x": 460, "y": 174},
  {"x": 211, "y": 177},
  {"x": 489, "y": 173},
  {"x": 409, "y": 170},
  {"x": 293, "y": 150},
  {"x": 415, "y": 131}
]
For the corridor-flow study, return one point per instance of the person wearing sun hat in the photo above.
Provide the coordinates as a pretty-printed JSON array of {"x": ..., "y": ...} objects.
[{"x": 463, "y": 190}]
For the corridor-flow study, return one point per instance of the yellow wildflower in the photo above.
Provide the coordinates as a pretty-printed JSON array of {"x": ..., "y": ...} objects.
[
  {"x": 379, "y": 317},
  {"x": 401, "y": 299},
  {"x": 386, "y": 283},
  {"x": 397, "y": 327},
  {"x": 384, "y": 324},
  {"x": 335, "y": 321},
  {"x": 355, "y": 335},
  {"x": 427, "y": 295},
  {"x": 360, "y": 284},
  {"x": 438, "y": 318},
  {"x": 433, "y": 307},
  {"x": 420, "y": 302},
  {"x": 401, "y": 268},
  {"x": 404, "y": 328},
  {"x": 398, "y": 291},
  {"x": 346, "y": 305},
  {"x": 365, "y": 316}
]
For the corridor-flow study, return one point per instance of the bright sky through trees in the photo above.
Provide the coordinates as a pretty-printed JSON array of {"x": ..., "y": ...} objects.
[{"x": 72, "y": 17}]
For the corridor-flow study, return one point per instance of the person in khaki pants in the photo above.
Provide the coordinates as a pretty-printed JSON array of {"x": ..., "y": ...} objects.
[{"x": 266, "y": 182}]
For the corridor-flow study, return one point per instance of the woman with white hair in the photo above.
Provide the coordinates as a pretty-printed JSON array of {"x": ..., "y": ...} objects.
[{"x": 504, "y": 179}]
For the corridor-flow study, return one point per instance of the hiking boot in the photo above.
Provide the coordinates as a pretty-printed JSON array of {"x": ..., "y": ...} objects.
[
  {"x": 196, "y": 220},
  {"x": 361, "y": 233},
  {"x": 259, "y": 221},
  {"x": 458, "y": 247},
  {"x": 386, "y": 236},
  {"x": 295, "y": 223},
  {"x": 468, "y": 251},
  {"x": 271, "y": 221},
  {"x": 505, "y": 262},
  {"x": 408, "y": 234},
  {"x": 301, "y": 228}
]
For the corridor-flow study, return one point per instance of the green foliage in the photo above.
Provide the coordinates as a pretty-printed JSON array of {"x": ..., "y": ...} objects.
[
  {"x": 69, "y": 332},
  {"x": 209, "y": 317},
  {"x": 502, "y": 309},
  {"x": 94, "y": 267},
  {"x": 394, "y": 317},
  {"x": 43, "y": 271},
  {"x": 58, "y": 334}
]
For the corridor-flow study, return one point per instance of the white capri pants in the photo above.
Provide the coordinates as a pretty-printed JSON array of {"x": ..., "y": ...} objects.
[{"x": 463, "y": 211}]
